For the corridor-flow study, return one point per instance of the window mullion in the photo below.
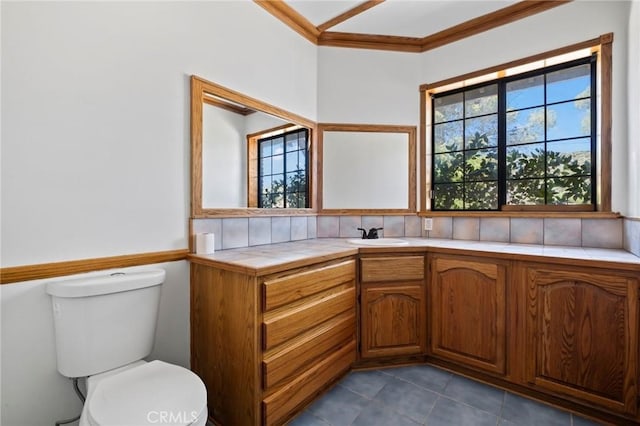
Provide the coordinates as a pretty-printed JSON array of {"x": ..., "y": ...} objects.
[{"x": 502, "y": 144}]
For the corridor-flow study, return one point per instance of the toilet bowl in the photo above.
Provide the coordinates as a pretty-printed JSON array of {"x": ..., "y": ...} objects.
[
  {"x": 104, "y": 328},
  {"x": 145, "y": 393}
]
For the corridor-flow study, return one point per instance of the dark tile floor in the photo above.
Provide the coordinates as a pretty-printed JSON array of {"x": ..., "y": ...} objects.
[{"x": 425, "y": 395}]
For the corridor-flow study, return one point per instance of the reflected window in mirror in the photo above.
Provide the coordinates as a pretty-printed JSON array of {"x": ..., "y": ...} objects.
[
  {"x": 278, "y": 168},
  {"x": 227, "y": 173}
]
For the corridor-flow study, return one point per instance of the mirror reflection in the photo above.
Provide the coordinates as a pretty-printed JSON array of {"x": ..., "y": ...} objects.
[
  {"x": 247, "y": 154},
  {"x": 367, "y": 168}
]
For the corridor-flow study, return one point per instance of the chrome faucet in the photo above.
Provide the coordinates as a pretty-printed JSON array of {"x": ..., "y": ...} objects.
[{"x": 371, "y": 235}]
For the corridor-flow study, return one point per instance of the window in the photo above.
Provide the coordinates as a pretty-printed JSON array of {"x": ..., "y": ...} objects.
[
  {"x": 522, "y": 140},
  {"x": 282, "y": 170}
]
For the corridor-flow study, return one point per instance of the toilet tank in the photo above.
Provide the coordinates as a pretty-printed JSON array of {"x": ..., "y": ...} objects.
[{"x": 104, "y": 321}]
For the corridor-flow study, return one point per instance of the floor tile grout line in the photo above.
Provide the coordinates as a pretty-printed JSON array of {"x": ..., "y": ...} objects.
[{"x": 442, "y": 394}]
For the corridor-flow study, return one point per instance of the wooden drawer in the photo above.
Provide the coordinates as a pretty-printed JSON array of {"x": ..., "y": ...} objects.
[
  {"x": 282, "y": 290},
  {"x": 284, "y": 363},
  {"x": 281, "y": 325},
  {"x": 398, "y": 268},
  {"x": 278, "y": 407}
]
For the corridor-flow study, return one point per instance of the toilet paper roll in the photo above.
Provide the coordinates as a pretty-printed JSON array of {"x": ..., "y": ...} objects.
[{"x": 205, "y": 243}]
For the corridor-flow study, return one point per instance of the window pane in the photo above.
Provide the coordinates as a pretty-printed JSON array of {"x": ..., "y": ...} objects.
[
  {"x": 481, "y": 196},
  {"x": 480, "y": 101},
  {"x": 481, "y": 164},
  {"x": 568, "y": 120},
  {"x": 448, "y": 136},
  {"x": 277, "y": 200},
  {"x": 570, "y": 83},
  {"x": 277, "y": 184},
  {"x": 566, "y": 158},
  {"x": 278, "y": 146},
  {"x": 448, "y": 196},
  {"x": 481, "y": 132},
  {"x": 265, "y": 148},
  {"x": 296, "y": 181},
  {"x": 448, "y": 167},
  {"x": 302, "y": 160},
  {"x": 527, "y": 191},
  {"x": 447, "y": 108},
  {"x": 571, "y": 190},
  {"x": 292, "y": 161},
  {"x": 266, "y": 184},
  {"x": 265, "y": 166},
  {"x": 525, "y": 93},
  {"x": 525, "y": 126},
  {"x": 277, "y": 164},
  {"x": 525, "y": 161},
  {"x": 291, "y": 141}
]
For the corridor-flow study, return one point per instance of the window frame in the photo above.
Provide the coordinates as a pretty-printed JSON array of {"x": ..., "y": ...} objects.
[
  {"x": 271, "y": 137},
  {"x": 501, "y": 113},
  {"x": 603, "y": 47}
]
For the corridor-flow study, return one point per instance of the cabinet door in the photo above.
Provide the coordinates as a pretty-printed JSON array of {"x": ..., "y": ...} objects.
[
  {"x": 392, "y": 320},
  {"x": 468, "y": 312},
  {"x": 581, "y": 329}
]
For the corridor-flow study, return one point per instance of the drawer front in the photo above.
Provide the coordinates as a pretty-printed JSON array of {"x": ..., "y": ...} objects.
[
  {"x": 405, "y": 268},
  {"x": 278, "y": 407},
  {"x": 282, "y": 325},
  {"x": 280, "y": 291},
  {"x": 283, "y": 364}
]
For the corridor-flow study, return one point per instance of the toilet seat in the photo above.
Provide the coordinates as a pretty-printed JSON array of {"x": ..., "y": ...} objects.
[{"x": 153, "y": 393}]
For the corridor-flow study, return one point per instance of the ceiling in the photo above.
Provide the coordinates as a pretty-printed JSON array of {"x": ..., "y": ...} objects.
[{"x": 401, "y": 25}]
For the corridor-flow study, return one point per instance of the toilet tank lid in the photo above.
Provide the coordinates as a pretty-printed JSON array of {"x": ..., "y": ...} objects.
[{"x": 110, "y": 282}]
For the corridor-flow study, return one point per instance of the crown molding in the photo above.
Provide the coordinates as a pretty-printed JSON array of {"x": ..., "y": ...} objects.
[{"x": 321, "y": 37}]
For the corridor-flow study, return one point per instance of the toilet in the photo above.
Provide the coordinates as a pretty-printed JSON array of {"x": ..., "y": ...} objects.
[{"x": 104, "y": 327}]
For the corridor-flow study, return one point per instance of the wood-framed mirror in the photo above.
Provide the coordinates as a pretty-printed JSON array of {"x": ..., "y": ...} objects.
[
  {"x": 366, "y": 169},
  {"x": 248, "y": 158}
]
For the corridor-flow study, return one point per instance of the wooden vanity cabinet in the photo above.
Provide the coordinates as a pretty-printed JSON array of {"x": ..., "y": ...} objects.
[
  {"x": 267, "y": 345},
  {"x": 468, "y": 310},
  {"x": 392, "y": 306},
  {"x": 581, "y": 334}
]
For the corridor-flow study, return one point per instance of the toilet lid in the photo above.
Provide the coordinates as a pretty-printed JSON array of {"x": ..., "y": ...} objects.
[{"x": 151, "y": 394}]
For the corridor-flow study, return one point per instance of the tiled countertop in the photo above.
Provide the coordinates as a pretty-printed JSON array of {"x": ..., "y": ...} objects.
[{"x": 270, "y": 258}]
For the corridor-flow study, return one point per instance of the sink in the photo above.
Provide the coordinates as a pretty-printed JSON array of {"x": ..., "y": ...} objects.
[{"x": 379, "y": 242}]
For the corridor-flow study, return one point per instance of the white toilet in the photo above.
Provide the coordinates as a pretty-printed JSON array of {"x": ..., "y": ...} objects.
[{"x": 104, "y": 327}]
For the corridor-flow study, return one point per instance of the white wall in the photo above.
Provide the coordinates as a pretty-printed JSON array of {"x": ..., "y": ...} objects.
[
  {"x": 564, "y": 25},
  {"x": 633, "y": 102},
  {"x": 95, "y": 152},
  {"x": 368, "y": 86},
  {"x": 224, "y": 158}
]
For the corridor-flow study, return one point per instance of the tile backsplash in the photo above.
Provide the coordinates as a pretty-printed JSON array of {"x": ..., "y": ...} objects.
[
  {"x": 601, "y": 233},
  {"x": 252, "y": 231},
  {"x": 631, "y": 234},
  {"x": 235, "y": 232}
]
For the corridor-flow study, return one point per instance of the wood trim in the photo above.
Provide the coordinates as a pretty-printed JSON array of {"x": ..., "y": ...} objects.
[
  {"x": 252, "y": 171},
  {"x": 49, "y": 270},
  {"x": 423, "y": 152},
  {"x": 291, "y": 18},
  {"x": 524, "y": 214},
  {"x": 511, "y": 64},
  {"x": 348, "y": 14},
  {"x": 603, "y": 204},
  {"x": 381, "y": 128},
  {"x": 548, "y": 208},
  {"x": 251, "y": 212},
  {"x": 606, "y": 117},
  {"x": 200, "y": 87},
  {"x": 370, "y": 41},
  {"x": 488, "y": 22},
  {"x": 318, "y": 35},
  {"x": 197, "y": 99},
  {"x": 227, "y": 105}
]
